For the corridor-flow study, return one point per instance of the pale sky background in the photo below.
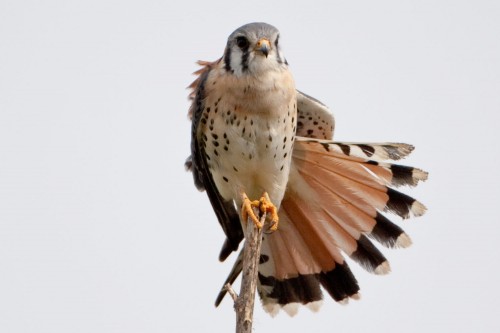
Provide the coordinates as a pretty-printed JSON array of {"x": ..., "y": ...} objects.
[{"x": 102, "y": 230}]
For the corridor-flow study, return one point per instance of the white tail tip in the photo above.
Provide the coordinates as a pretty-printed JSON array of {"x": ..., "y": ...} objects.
[
  {"x": 291, "y": 309},
  {"x": 403, "y": 241},
  {"x": 314, "y": 306},
  {"x": 383, "y": 268}
]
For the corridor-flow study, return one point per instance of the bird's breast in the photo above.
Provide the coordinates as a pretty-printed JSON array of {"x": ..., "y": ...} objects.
[
  {"x": 248, "y": 141},
  {"x": 267, "y": 94}
]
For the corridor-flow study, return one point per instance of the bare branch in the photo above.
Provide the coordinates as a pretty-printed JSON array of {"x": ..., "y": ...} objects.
[{"x": 244, "y": 303}]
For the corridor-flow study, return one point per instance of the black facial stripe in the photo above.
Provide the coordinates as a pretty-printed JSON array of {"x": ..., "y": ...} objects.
[
  {"x": 278, "y": 56},
  {"x": 244, "y": 58},
  {"x": 227, "y": 60}
]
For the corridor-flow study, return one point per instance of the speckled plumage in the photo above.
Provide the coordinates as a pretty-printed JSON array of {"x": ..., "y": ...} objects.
[
  {"x": 244, "y": 124},
  {"x": 253, "y": 132}
]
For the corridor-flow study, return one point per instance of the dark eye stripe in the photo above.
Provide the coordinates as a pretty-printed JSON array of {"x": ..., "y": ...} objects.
[
  {"x": 278, "y": 55},
  {"x": 227, "y": 60},
  {"x": 244, "y": 60},
  {"x": 244, "y": 45}
]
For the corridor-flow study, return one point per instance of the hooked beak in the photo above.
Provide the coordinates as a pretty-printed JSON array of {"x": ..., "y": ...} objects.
[{"x": 263, "y": 45}]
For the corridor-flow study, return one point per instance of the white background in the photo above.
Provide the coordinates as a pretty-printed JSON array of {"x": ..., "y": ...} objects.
[{"x": 102, "y": 230}]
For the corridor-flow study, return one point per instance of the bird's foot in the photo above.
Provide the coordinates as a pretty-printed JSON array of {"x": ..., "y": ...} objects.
[
  {"x": 265, "y": 206},
  {"x": 247, "y": 210}
]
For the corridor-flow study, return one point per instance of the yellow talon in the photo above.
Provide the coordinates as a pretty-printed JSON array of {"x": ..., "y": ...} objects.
[
  {"x": 265, "y": 206},
  {"x": 247, "y": 210}
]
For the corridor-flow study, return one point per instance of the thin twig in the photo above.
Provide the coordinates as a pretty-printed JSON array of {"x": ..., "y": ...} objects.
[
  {"x": 231, "y": 291},
  {"x": 244, "y": 303}
]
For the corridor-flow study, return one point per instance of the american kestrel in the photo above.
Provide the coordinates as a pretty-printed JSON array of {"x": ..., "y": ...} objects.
[{"x": 254, "y": 136}]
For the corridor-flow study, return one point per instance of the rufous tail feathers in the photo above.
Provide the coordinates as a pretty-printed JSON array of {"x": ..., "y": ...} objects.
[{"x": 335, "y": 200}]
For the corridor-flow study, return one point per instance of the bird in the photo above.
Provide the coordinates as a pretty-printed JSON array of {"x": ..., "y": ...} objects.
[{"x": 257, "y": 141}]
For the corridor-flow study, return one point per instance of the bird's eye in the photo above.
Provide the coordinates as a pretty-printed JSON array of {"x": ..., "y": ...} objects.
[{"x": 242, "y": 42}]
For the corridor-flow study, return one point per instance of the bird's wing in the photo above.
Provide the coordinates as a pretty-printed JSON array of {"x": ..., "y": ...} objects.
[
  {"x": 225, "y": 210},
  {"x": 314, "y": 120}
]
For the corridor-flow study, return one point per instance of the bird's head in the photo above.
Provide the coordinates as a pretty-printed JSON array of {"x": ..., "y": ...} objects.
[{"x": 253, "y": 49}]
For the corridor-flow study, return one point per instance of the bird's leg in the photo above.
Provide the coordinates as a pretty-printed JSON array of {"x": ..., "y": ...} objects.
[{"x": 265, "y": 206}]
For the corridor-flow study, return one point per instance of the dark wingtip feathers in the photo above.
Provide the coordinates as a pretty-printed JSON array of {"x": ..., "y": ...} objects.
[{"x": 226, "y": 250}]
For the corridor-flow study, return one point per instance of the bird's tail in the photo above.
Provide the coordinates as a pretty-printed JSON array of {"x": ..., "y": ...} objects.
[{"x": 334, "y": 204}]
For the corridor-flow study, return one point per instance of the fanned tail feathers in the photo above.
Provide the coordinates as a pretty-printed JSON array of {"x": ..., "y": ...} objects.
[{"x": 334, "y": 204}]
